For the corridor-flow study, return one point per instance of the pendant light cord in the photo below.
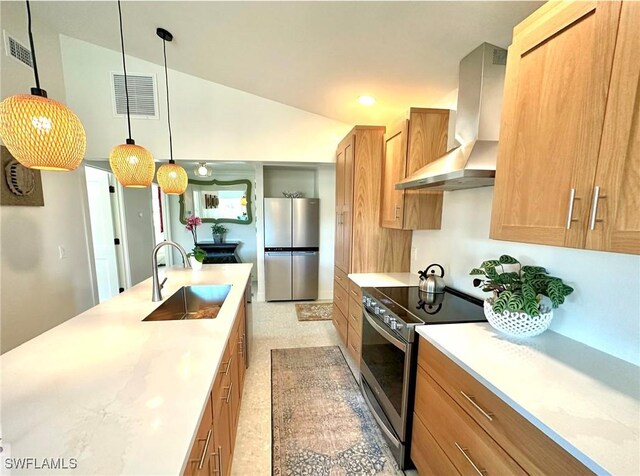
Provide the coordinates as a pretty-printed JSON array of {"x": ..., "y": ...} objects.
[
  {"x": 166, "y": 80},
  {"x": 33, "y": 49},
  {"x": 124, "y": 68}
]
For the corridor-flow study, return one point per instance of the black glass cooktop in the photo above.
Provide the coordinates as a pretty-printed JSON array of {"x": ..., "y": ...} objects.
[{"x": 415, "y": 307}]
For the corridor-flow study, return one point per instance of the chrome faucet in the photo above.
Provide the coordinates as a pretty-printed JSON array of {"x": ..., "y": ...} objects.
[{"x": 157, "y": 286}]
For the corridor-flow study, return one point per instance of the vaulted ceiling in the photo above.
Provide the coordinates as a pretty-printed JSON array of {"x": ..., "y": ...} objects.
[{"x": 316, "y": 56}]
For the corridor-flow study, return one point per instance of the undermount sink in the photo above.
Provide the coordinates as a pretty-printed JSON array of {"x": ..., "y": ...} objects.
[{"x": 191, "y": 302}]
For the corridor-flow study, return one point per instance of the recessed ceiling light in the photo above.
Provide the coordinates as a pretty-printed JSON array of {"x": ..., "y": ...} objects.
[{"x": 367, "y": 100}]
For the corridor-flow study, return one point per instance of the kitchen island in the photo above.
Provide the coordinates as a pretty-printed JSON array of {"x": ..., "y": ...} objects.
[{"x": 106, "y": 393}]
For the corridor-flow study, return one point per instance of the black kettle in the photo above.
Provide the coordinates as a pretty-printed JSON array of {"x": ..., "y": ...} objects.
[{"x": 430, "y": 282}]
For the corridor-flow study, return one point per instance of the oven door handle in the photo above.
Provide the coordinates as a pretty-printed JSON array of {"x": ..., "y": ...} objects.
[{"x": 394, "y": 340}]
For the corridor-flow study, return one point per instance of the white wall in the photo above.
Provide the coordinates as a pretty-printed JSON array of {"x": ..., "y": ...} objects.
[
  {"x": 244, "y": 233},
  {"x": 603, "y": 311},
  {"x": 209, "y": 121},
  {"x": 38, "y": 289},
  {"x": 289, "y": 179}
]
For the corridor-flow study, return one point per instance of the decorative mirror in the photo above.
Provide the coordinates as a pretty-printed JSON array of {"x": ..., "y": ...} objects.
[{"x": 217, "y": 201}]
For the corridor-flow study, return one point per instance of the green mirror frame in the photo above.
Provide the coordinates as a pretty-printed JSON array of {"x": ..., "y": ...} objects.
[{"x": 223, "y": 183}]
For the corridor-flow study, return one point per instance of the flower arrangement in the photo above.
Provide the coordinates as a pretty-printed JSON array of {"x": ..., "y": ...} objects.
[
  {"x": 193, "y": 222},
  {"x": 527, "y": 289}
]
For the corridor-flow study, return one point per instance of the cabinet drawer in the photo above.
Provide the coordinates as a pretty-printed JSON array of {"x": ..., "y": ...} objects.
[
  {"x": 355, "y": 292},
  {"x": 426, "y": 454},
  {"x": 524, "y": 442},
  {"x": 341, "y": 298},
  {"x": 355, "y": 315},
  {"x": 465, "y": 443},
  {"x": 341, "y": 278},
  {"x": 340, "y": 322},
  {"x": 355, "y": 342}
]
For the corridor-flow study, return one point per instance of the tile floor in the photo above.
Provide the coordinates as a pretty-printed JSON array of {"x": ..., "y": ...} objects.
[{"x": 275, "y": 326}]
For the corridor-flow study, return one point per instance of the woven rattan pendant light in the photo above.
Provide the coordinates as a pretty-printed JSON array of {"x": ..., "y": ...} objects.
[
  {"x": 132, "y": 164},
  {"x": 39, "y": 132},
  {"x": 172, "y": 178}
]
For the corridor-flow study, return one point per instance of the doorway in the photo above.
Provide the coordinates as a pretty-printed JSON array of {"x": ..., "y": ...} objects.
[{"x": 103, "y": 213}]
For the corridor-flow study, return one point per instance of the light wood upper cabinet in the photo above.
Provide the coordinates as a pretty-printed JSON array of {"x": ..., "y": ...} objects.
[
  {"x": 569, "y": 125},
  {"x": 411, "y": 144},
  {"x": 614, "y": 223}
]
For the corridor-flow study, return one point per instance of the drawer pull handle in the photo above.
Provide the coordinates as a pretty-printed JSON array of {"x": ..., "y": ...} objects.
[
  {"x": 481, "y": 472},
  {"x": 226, "y": 369},
  {"x": 229, "y": 394},
  {"x": 487, "y": 415},
  {"x": 204, "y": 451}
]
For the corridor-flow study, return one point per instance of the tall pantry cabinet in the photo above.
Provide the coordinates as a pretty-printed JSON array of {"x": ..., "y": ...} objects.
[{"x": 361, "y": 245}]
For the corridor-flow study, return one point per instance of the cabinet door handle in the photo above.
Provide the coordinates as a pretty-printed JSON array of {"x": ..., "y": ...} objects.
[
  {"x": 226, "y": 369},
  {"x": 215, "y": 454},
  {"x": 594, "y": 207},
  {"x": 229, "y": 394},
  {"x": 220, "y": 459},
  {"x": 572, "y": 200},
  {"x": 241, "y": 345},
  {"x": 488, "y": 415},
  {"x": 481, "y": 472},
  {"x": 397, "y": 214},
  {"x": 204, "y": 451}
]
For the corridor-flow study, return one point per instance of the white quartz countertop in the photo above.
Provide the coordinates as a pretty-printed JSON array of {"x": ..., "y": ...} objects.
[
  {"x": 585, "y": 400},
  {"x": 113, "y": 393},
  {"x": 385, "y": 279}
]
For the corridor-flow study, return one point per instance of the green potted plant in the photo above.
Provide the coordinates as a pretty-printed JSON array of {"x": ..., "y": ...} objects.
[
  {"x": 523, "y": 296},
  {"x": 218, "y": 231}
]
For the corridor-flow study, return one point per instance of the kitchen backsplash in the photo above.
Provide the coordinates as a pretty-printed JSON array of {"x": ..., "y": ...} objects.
[{"x": 604, "y": 310}]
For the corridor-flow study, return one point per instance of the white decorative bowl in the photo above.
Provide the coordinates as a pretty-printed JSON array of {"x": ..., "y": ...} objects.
[{"x": 517, "y": 324}]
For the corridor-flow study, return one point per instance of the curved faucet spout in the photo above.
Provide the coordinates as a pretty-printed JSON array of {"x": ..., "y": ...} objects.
[{"x": 157, "y": 286}]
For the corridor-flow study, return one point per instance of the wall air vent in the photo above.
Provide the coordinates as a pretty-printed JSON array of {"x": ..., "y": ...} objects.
[
  {"x": 143, "y": 96},
  {"x": 16, "y": 49}
]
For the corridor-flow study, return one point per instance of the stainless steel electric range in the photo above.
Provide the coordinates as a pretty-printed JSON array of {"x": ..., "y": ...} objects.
[{"x": 389, "y": 352}]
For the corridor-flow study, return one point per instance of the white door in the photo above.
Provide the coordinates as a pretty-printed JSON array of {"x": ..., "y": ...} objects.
[{"x": 104, "y": 251}]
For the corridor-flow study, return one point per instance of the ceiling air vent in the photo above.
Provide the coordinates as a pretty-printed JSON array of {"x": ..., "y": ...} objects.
[
  {"x": 16, "y": 49},
  {"x": 143, "y": 98}
]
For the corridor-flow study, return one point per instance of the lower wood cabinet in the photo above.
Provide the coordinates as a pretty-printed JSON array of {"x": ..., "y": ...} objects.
[
  {"x": 212, "y": 451},
  {"x": 459, "y": 418},
  {"x": 347, "y": 314}
]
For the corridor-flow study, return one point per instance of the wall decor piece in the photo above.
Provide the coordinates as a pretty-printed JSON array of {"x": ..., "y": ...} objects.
[
  {"x": 217, "y": 201},
  {"x": 20, "y": 186}
]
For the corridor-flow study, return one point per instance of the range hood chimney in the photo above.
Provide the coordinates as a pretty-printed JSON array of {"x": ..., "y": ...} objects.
[{"x": 472, "y": 163}]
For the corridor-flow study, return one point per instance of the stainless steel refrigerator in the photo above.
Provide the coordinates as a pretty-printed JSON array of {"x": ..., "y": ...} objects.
[{"x": 291, "y": 244}]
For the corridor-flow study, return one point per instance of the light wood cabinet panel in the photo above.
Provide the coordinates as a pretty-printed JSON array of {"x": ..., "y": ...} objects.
[
  {"x": 527, "y": 445},
  {"x": 355, "y": 292},
  {"x": 344, "y": 200},
  {"x": 199, "y": 458},
  {"x": 616, "y": 210},
  {"x": 463, "y": 441},
  {"x": 411, "y": 144},
  {"x": 557, "y": 78},
  {"x": 354, "y": 343},
  {"x": 355, "y": 315},
  {"x": 341, "y": 278},
  {"x": 426, "y": 454},
  {"x": 395, "y": 162},
  {"x": 340, "y": 322},
  {"x": 341, "y": 298}
]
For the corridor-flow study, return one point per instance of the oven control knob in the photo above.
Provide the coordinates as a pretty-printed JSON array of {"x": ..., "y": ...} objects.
[
  {"x": 386, "y": 319},
  {"x": 376, "y": 310},
  {"x": 393, "y": 324}
]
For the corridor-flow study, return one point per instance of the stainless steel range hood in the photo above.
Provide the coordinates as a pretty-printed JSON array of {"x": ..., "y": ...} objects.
[{"x": 472, "y": 163}]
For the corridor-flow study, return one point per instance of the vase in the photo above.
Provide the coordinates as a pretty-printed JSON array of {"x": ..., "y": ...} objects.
[
  {"x": 517, "y": 324},
  {"x": 218, "y": 238},
  {"x": 195, "y": 264}
]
